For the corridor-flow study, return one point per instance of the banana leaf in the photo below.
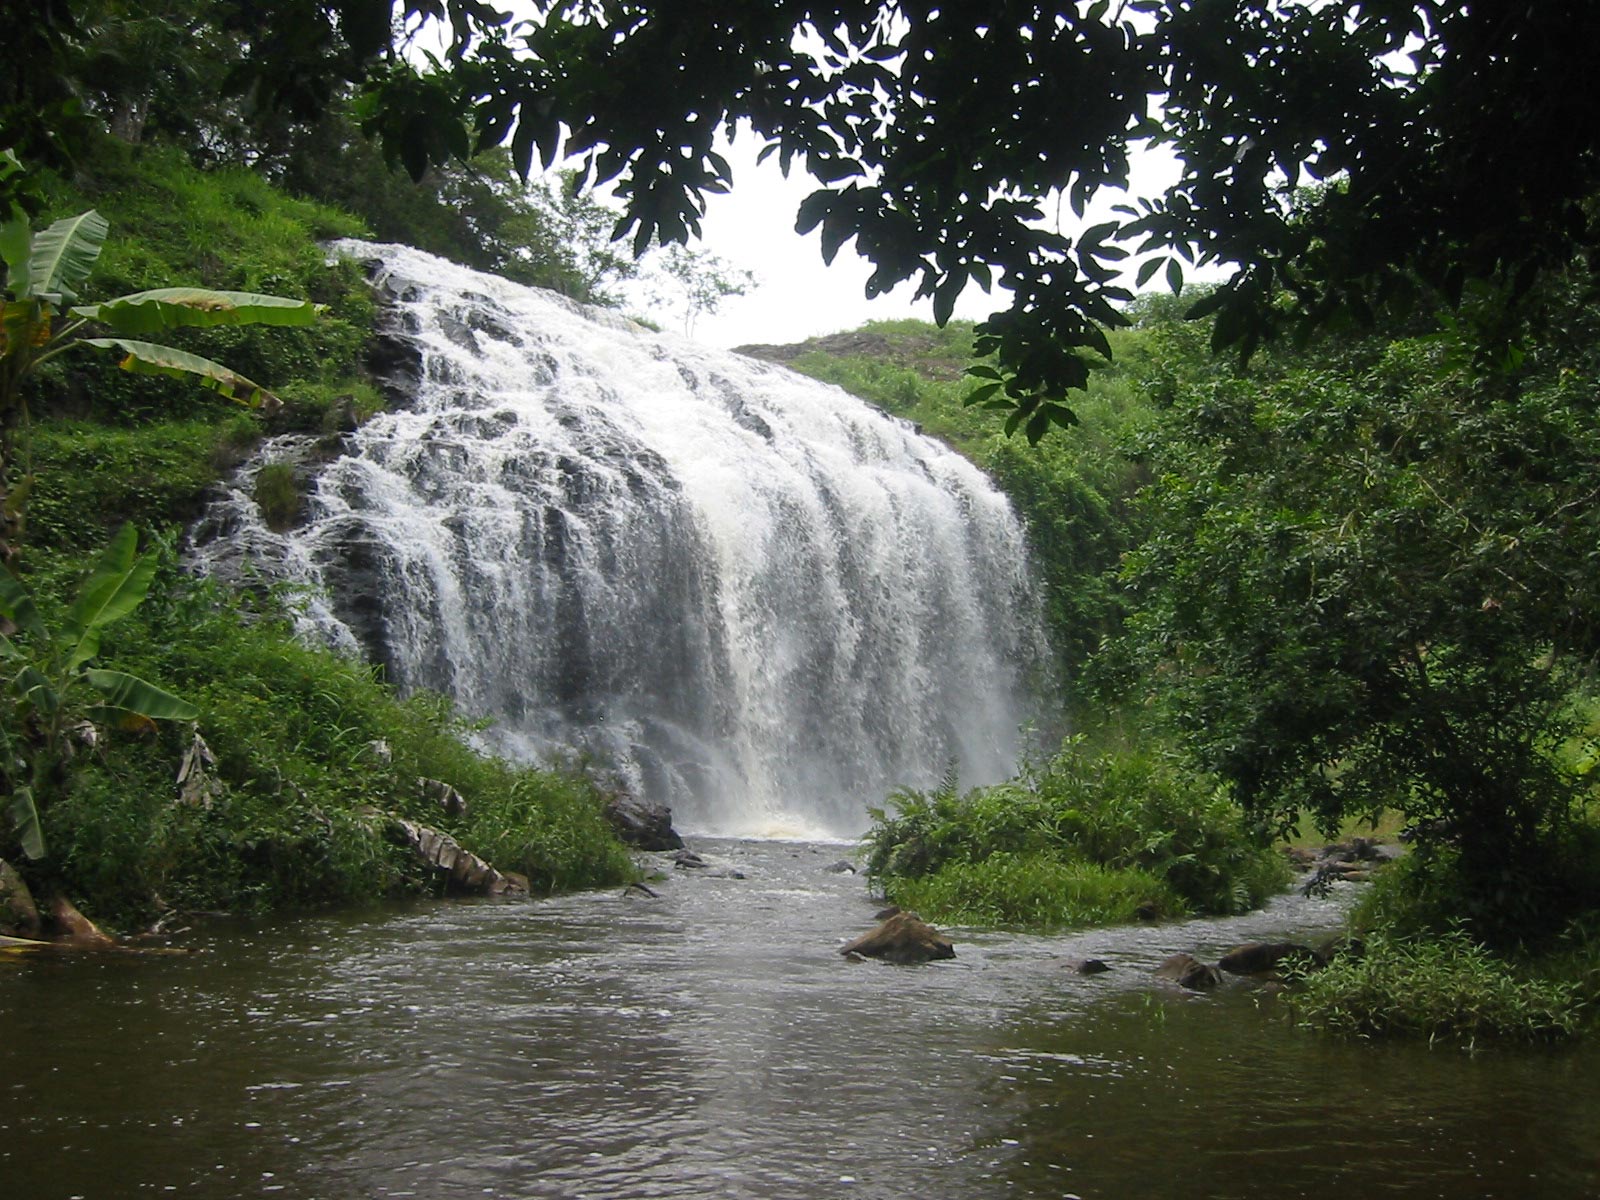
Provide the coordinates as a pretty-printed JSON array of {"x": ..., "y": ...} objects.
[
  {"x": 63, "y": 256},
  {"x": 146, "y": 358},
  {"x": 174, "y": 308},
  {"x": 25, "y": 820},
  {"x": 129, "y": 696},
  {"x": 16, "y": 245},
  {"x": 115, "y": 588}
]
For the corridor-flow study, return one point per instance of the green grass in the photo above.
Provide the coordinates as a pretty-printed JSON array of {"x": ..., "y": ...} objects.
[
  {"x": 1036, "y": 891},
  {"x": 1441, "y": 988},
  {"x": 313, "y": 754},
  {"x": 1083, "y": 834}
]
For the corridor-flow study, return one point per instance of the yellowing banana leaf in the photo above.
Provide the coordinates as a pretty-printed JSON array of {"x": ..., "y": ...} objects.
[
  {"x": 16, "y": 945},
  {"x": 174, "y": 308},
  {"x": 147, "y": 358},
  {"x": 63, "y": 255}
]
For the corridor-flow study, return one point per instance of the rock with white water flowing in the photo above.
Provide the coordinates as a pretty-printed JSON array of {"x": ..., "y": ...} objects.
[{"x": 764, "y": 602}]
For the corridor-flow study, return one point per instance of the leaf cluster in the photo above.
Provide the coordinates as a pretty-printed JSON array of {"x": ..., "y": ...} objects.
[{"x": 1121, "y": 810}]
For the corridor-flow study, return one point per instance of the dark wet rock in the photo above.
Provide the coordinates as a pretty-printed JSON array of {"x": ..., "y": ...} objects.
[
  {"x": 1087, "y": 966},
  {"x": 19, "y": 915},
  {"x": 1256, "y": 958},
  {"x": 840, "y": 867},
  {"x": 1148, "y": 911},
  {"x": 395, "y": 362},
  {"x": 690, "y": 860},
  {"x": 903, "y": 938},
  {"x": 641, "y": 889},
  {"x": 725, "y": 874},
  {"x": 642, "y": 824},
  {"x": 65, "y": 923},
  {"x": 459, "y": 332},
  {"x": 883, "y": 914},
  {"x": 463, "y": 870},
  {"x": 1188, "y": 971}
]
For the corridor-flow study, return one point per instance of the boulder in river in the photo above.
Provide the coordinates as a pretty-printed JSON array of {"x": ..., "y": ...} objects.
[
  {"x": 67, "y": 924},
  {"x": 642, "y": 824},
  {"x": 1087, "y": 966},
  {"x": 903, "y": 938},
  {"x": 1256, "y": 958},
  {"x": 1188, "y": 971}
]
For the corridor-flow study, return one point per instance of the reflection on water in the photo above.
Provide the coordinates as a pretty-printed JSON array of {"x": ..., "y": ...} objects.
[{"x": 712, "y": 1042}]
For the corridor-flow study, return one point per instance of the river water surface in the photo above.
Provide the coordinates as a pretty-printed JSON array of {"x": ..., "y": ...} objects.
[{"x": 711, "y": 1042}]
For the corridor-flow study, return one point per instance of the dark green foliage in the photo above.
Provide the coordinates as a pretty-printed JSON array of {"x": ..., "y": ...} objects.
[
  {"x": 90, "y": 477},
  {"x": 277, "y": 494},
  {"x": 1369, "y": 585},
  {"x": 1444, "y": 988},
  {"x": 312, "y": 752},
  {"x": 937, "y": 142},
  {"x": 1117, "y": 812}
]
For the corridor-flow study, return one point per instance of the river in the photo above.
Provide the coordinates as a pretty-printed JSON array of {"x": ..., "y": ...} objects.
[{"x": 711, "y": 1042}]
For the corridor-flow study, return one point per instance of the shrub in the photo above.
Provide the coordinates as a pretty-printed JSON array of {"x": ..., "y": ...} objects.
[
  {"x": 1123, "y": 810},
  {"x": 313, "y": 751},
  {"x": 277, "y": 494},
  {"x": 1443, "y": 988},
  {"x": 1037, "y": 891}
]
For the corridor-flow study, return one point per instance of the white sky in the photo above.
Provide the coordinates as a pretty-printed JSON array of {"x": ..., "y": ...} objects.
[{"x": 796, "y": 296}]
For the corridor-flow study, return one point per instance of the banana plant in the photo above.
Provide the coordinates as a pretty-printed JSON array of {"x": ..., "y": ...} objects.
[
  {"x": 51, "y": 690},
  {"x": 42, "y": 319}
]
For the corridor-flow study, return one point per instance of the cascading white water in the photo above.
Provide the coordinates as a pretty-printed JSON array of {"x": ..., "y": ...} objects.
[{"x": 763, "y": 601}]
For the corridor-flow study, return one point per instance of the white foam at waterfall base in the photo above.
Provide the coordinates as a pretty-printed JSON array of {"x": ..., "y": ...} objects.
[{"x": 754, "y": 596}]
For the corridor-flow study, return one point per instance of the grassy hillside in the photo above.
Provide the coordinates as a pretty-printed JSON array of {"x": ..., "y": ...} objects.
[{"x": 313, "y": 754}]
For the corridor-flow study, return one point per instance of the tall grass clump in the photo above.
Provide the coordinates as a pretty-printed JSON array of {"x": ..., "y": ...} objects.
[
  {"x": 1441, "y": 988},
  {"x": 1082, "y": 838}
]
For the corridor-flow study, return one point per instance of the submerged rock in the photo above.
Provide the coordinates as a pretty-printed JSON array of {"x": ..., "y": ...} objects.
[
  {"x": 903, "y": 938},
  {"x": 1087, "y": 966},
  {"x": 840, "y": 867},
  {"x": 1188, "y": 971}
]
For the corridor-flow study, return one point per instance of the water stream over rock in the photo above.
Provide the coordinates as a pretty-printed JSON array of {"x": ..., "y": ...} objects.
[{"x": 764, "y": 601}]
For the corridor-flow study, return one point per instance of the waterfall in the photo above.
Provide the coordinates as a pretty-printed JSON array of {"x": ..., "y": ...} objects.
[{"x": 759, "y": 599}]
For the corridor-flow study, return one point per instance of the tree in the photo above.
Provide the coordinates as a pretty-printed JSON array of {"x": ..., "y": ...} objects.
[
  {"x": 1457, "y": 139},
  {"x": 701, "y": 280},
  {"x": 1370, "y": 585}
]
